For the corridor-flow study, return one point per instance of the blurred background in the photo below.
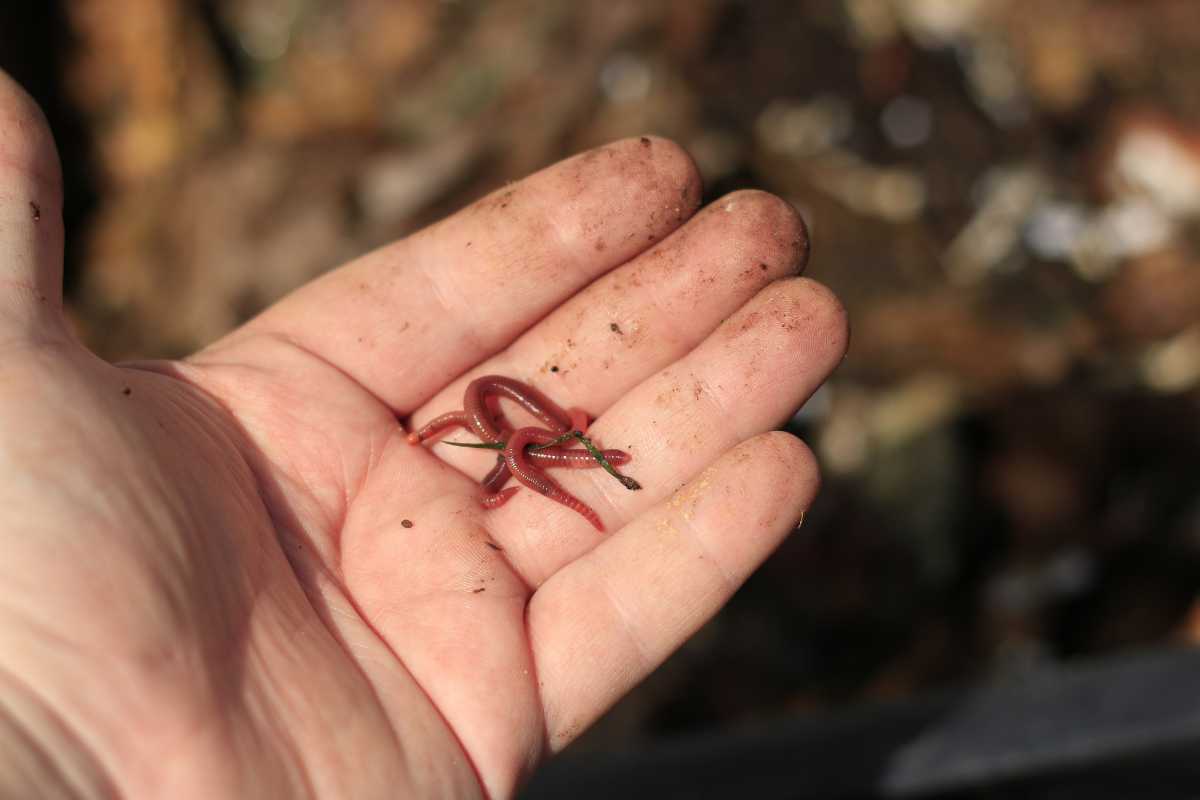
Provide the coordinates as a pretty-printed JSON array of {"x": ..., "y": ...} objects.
[{"x": 1005, "y": 193}]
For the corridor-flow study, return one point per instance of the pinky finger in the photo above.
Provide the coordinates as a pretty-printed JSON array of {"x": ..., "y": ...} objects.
[{"x": 605, "y": 621}]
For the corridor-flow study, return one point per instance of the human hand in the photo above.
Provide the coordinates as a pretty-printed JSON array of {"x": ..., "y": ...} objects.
[{"x": 232, "y": 575}]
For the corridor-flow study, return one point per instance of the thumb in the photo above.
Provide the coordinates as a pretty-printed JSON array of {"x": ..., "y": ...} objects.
[{"x": 31, "y": 232}]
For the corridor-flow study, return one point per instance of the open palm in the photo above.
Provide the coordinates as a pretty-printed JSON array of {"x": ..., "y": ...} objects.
[{"x": 232, "y": 575}]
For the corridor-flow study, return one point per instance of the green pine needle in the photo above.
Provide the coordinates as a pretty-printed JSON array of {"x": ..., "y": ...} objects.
[{"x": 626, "y": 481}]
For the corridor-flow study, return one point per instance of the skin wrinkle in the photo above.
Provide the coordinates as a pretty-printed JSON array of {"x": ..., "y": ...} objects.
[
  {"x": 608, "y": 495},
  {"x": 104, "y": 505},
  {"x": 34, "y": 761},
  {"x": 299, "y": 479},
  {"x": 346, "y": 481},
  {"x": 197, "y": 725},
  {"x": 38, "y": 628},
  {"x": 463, "y": 316},
  {"x": 281, "y": 524},
  {"x": 657, "y": 309},
  {"x": 208, "y": 635},
  {"x": 199, "y": 717},
  {"x": 534, "y": 667},
  {"x": 166, "y": 655},
  {"x": 566, "y": 234},
  {"x": 71, "y": 732},
  {"x": 29, "y": 288},
  {"x": 292, "y": 755},
  {"x": 374, "y": 458},
  {"x": 502, "y": 557},
  {"x": 693, "y": 532},
  {"x": 646, "y": 659},
  {"x": 712, "y": 397},
  {"x": 583, "y": 278},
  {"x": 288, "y": 340},
  {"x": 292, "y": 746},
  {"x": 262, "y": 494},
  {"x": 393, "y": 728}
]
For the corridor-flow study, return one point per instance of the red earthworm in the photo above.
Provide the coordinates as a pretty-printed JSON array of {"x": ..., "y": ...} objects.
[
  {"x": 496, "y": 477},
  {"x": 547, "y": 457},
  {"x": 481, "y": 421},
  {"x": 499, "y": 498},
  {"x": 573, "y": 459},
  {"x": 438, "y": 424},
  {"x": 482, "y": 415},
  {"x": 534, "y": 478},
  {"x": 552, "y": 457}
]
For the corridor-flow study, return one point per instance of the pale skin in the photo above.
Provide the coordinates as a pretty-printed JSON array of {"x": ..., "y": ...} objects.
[{"x": 233, "y": 576}]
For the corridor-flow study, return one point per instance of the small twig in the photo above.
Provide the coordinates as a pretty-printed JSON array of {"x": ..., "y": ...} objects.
[
  {"x": 559, "y": 440},
  {"x": 626, "y": 481},
  {"x": 501, "y": 445}
]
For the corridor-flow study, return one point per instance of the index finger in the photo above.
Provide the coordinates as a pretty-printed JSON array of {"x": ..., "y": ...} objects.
[{"x": 405, "y": 320}]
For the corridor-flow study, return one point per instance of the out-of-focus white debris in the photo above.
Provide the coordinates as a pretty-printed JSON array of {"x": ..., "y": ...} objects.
[
  {"x": 972, "y": 29},
  {"x": 394, "y": 185},
  {"x": 859, "y": 425},
  {"x": 1095, "y": 243},
  {"x": 872, "y": 22},
  {"x": 894, "y": 194},
  {"x": 1118, "y": 232},
  {"x": 802, "y": 129},
  {"x": 938, "y": 23},
  {"x": 1136, "y": 227},
  {"x": 1055, "y": 229},
  {"x": 811, "y": 134},
  {"x": 994, "y": 76},
  {"x": 264, "y": 29},
  {"x": 1173, "y": 365},
  {"x": 907, "y": 121},
  {"x": 914, "y": 407},
  {"x": 626, "y": 78},
  {"x": 1008, "y": 196},
  {"x": 1151, "y": 160},
  {"x": 1150, "y": 176}
]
